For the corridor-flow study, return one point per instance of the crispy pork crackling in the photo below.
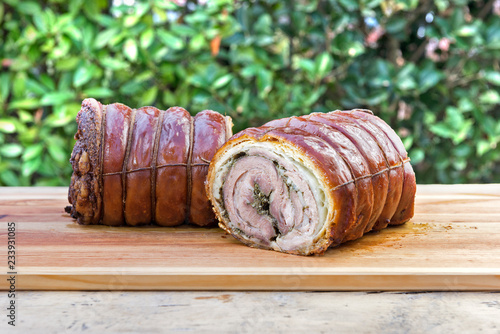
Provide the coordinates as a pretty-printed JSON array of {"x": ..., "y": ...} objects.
[
  {"x": 302, "y": 184},
  {"x": 142, "y": 166}
]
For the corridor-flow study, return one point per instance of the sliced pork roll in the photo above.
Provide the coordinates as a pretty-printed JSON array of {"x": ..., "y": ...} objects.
[
  {"x": 302, "y": 184},
  {"x": 142, "y": 166}
]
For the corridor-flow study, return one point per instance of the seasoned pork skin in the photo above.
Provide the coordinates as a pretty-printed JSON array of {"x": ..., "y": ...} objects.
[
  {"x": 142, "y": 166},
  {"x": 302, "y": 184}
]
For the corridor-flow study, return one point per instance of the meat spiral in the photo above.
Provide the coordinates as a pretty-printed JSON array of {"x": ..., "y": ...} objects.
[
  {"x": 141, "y": 166},
  {"x": 302, "y": 184}
]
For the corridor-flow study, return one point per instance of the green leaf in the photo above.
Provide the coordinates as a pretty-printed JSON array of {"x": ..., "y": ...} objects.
[
  {"x": 442, "y": 130},
  {"x": 104, "y": 37},
  {"x": 490, "y": 97},
  {"x": 315, "y": 95},
  {"x": 130, "y": 49},
  {"x": 252, "y": 70},
  {"x": 57, "y": 98},
  {"x": 19, "y": 85},
  {"x": 377, "y": 98},
  {"x": 31, "y": 166},
  {"x": 67, "y": 64},
  {"x": 57, "y": 153},
  {"x": 396, "y": 25},
  {"x": 20, "y": 63},
  {"x": 91, "y": 9},
  {"x": 169, "y": 98},
  {"x": 222, "y": 81},
  {"x": 62, "y": 48},
  {"x": 166, "y": 4},
  {"x": 28, "y": 7},
  {"x": 493, "y": 77},
  {"x": 459, "y": 164},
  {"x": 417, "y": 155},
  {"x": 407, "y": 142},
  {"x": 263, "y": 25},
  {"x": 183, "y": 30},
  {"x": 82, "y": 75},
  {"x": 482, "y": 147},
  {"x": 454, "y": 117},
  {"x": 264, "y": 83},
  {"x": 47, "y": 82},
  {"x": 73, "y": 32},
  {"x": 117, "y": 39},
  {"x": 41, "y": 26},
  {"x": 197, "y": 42},
  {"x": 4, "y": 86},
  {"x": 141, "y": 8},
  {"x": 63, "y": 21},
  {"x": 170, "y": 40},
  {"x": 98, "y": 92},
  {"x": 7, "y": 126},
  {"x": 462, "y": 131},
  {"x": 24, "y": 104},
  {"x": 9, "y": 178},
  {"x": 32, "y": 152},
  {"x": 463, "y": 150},
  {"x": 131, "y": 88},
  {"x": 198, "y": 80},
  {"x": 323, "y": 64},
  {"x": 11, "y": 150},
  {"x": 149, "y": 95},
  {"x": 406, "y": 83},
  {"x": 243, "y": 101},
  {"x": 306, "y": 65},
  {"x": 428, "y": 78},
  {"x": 35, "y": 87},
  {"x": 147, "y": 38},
  {"x": 54, "y": 121},
  {"x": 467, "y": 30},
  {"x": 442, "y": 5},
  {"x": 131, "y": 20},
  {"x": 350, "y": 5},
  {"x": 196, "y": 17},
  {"x": 25, "y": 117},
  {"x": 355, "y": 49},
  {"x": 114, "y": 63},
  {"x": 465, "y": 104}
]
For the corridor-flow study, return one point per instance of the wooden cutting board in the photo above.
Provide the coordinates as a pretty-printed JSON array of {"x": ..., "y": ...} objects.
[{"x": 452, "y": 243}]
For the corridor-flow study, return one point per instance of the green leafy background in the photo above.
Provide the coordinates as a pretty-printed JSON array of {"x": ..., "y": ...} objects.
[{"x": 430, "y": 68}]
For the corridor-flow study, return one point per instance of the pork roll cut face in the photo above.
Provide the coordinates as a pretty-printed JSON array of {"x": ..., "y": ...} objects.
[
  {"x": 300, "y": 185},
  {"x": 142, "y": 166}
]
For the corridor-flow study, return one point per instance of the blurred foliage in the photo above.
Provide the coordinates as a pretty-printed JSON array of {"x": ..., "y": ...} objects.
[{"x": 429, "y": 68}]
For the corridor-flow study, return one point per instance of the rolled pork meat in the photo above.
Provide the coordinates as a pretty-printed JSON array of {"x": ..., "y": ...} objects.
[
  {"x": 302, "y": 184},
  {"x": 142, "y": 166}
]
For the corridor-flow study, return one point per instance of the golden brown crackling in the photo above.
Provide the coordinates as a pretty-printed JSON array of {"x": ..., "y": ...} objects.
[
  {"x": 353, "y": 160},
  {"x": 139, "y": 173},
  {"x": 394, "y": 165},
  {"x": 209, "y": 134},
  {"x": 138, "y": 184},
  {"x": 117, "y": 125},
  {"x": 371, "y": 153},
  {"x": 171, "y": 184},
  {"x": 406, "y": 204},
  {"x": 384, "y": 170}
]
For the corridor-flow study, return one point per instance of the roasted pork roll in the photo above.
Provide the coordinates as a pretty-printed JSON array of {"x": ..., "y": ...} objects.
[
  {"x": 302, "y": 184},
  {"x": 142, "y": 166}
]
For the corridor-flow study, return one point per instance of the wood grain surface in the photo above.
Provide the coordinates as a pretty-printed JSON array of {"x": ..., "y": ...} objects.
[
  {"x": 255, "y": 312},
  {"x": 452, "y": 243}
]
